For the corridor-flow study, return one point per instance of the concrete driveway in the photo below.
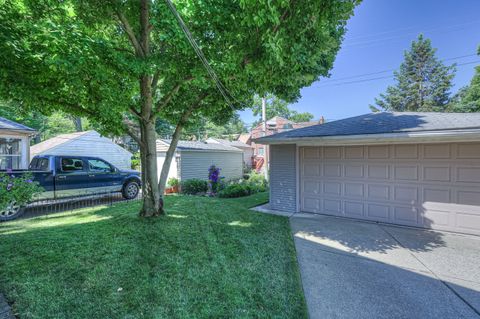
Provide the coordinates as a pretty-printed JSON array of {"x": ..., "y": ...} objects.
[{"x": 353, "y": 269}]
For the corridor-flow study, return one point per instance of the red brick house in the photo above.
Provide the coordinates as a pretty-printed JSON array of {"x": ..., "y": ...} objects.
[{"x": 274, "y": 125}]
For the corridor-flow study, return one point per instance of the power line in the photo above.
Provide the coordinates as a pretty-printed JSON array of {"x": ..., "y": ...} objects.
[
  {"x": 389, "y": 70},
  {"x": 221, "y": 88},
  {"x": 368, "y": 43},
  {"x": 378, "y": 78},
  {"x": 409, "y": 28}
]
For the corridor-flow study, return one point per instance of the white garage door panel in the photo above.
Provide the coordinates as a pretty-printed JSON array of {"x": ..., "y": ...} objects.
[{"x": 425, "y": 185}]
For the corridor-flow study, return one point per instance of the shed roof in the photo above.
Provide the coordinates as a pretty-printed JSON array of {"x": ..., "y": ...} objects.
[
  {"x": 58, "y": 140},
  {"x": 238, "y": 144},
  {"x": 202, "y": 146},
  {"x": 13, "y": 126},
  {"x": 384, "y": 123}
]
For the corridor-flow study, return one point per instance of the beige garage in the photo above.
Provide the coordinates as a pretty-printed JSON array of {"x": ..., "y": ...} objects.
[
  {"x": 424, "y": 185},
  {"x": 412, "y": 169}
]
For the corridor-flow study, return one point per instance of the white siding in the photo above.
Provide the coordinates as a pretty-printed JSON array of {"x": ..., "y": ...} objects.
[
  {"x": 195, "y": 164},
  {"x": 247, "y": 156},
  {"x": 173, "y": 172},
  {"x": 92, "y": 144}
]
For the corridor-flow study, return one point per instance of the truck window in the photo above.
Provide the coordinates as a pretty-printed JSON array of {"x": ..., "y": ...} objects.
[
  {"x": 72, "y": 164},
  {"x": 96, "y": 165},
  {"x": 39, "y": 164}
]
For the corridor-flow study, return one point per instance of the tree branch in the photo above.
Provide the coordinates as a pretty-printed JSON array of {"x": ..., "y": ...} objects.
[
  {"x": 173, "y": 144},
  {"x": 130, "y": 33},
  {"x": 283, "y": 17},
  {"x": 170, "y": 95},
  {"x": 130, "y": 129},
  {"x": 134, "y": 111}
]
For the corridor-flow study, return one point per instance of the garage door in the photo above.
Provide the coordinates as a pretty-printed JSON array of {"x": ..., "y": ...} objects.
[{"x": 425, "y": 185}]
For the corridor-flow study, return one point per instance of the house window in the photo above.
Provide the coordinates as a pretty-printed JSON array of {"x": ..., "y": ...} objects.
[
  {"x": 10, "y": 153},
  {"x": 261, "y": 151}
]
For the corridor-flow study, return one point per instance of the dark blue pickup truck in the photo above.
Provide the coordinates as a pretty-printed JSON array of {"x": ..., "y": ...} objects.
[{"x": 73, "y": 176}]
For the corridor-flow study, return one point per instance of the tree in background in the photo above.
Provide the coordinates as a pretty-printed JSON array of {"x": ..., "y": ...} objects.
[
  {"x": 423, "y": 82},
  {"x": 47, "y": 126},
  {"x": 204, "y": 128},
  {"x": 468, "y": 98},
  {"x": 277, "y": 107},
  {"x": 124, "y": 64}
]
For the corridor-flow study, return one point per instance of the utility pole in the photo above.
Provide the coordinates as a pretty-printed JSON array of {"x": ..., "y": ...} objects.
[{"x": 265, "y": 147}]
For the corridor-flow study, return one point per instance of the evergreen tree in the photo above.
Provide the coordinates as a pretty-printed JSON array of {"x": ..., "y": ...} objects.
[
  {"x": 423, "y": 82},
  {"x": 468, "y": 98}
]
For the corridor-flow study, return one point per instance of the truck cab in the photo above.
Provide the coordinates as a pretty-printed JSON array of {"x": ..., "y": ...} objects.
[{"x": 69, "y": 176}]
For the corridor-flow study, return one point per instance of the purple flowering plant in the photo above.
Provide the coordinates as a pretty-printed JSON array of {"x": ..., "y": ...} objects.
[
  {"x": 18, "y": 189},
  {"x": 214, "y": 180}
]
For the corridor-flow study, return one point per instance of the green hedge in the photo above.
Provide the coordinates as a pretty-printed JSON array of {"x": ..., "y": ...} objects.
[{"x": 193, "y": 186}]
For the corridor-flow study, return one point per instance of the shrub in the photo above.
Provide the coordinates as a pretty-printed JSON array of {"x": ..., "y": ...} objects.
[
  {"x": 136, "y": 161},
  {"x": 255, "y": 183},
  {"x": 173, "y": 182},
  {"x": 258, "y": 181},
  {"x": 193, "y": 186},
  {"x": 236, "y": 190},
  {"x": 18, "y": 190}
]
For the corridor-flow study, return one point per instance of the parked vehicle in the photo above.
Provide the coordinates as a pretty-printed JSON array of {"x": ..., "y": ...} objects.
[{"x": 74, "y": 176}]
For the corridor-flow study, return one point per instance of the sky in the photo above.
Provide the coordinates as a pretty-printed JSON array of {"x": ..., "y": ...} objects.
[{"x": 378, "y": 34}]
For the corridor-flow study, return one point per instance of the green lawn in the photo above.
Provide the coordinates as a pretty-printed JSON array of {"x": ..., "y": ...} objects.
[{"x": 208, "y": 257}]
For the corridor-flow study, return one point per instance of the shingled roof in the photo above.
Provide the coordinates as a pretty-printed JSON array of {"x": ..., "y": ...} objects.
[
  {"x": 13, "y": 126},
  {"x": 383, "y": 123},
  {"x": 198, "y": 145}
]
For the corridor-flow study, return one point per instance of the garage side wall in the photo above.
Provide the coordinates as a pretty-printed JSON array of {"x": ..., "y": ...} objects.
[{"x": 283, "y": 177}]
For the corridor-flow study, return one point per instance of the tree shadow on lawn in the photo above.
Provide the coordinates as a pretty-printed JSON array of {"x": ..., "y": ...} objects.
[{"x": 209, "y": 258}]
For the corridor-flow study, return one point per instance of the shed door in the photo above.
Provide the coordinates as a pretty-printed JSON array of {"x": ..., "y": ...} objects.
[{"x": 425, "y": 185}]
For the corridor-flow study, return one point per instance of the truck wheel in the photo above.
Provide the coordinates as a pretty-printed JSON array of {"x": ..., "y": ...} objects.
[
  {"x": 130, "y": 190},
  {"x": 11, "y": 211}
]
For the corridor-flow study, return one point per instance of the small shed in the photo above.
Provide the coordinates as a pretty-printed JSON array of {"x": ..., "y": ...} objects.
[
  {"x": 193, "y": 158},
  {"x": 14, "y": 144},
  {"x": 88, "y": 143}
]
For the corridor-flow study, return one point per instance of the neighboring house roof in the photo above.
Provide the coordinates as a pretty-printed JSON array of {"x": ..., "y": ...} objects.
[
  {"x": 200, "y": 146},
  {"x": 245, "y": 138},
  {"x": 237, "y": 144},
  {"x": 14, "y": 126},
  {"x": 274, "y": 120},
  {"x": 61, "y": 139},
  {"x": 374, "y": 124}
]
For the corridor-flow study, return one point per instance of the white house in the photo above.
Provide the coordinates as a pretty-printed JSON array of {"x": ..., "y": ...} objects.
[
  {"x": 89, "y": 143},
  {"x": 246, "y": 149},
  {"x": 14, "y": 145},
  {"x": 192, "y": 159}
]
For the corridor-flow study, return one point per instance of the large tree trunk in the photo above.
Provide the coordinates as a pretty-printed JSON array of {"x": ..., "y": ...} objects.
[{"x": 152, "y": 201}]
